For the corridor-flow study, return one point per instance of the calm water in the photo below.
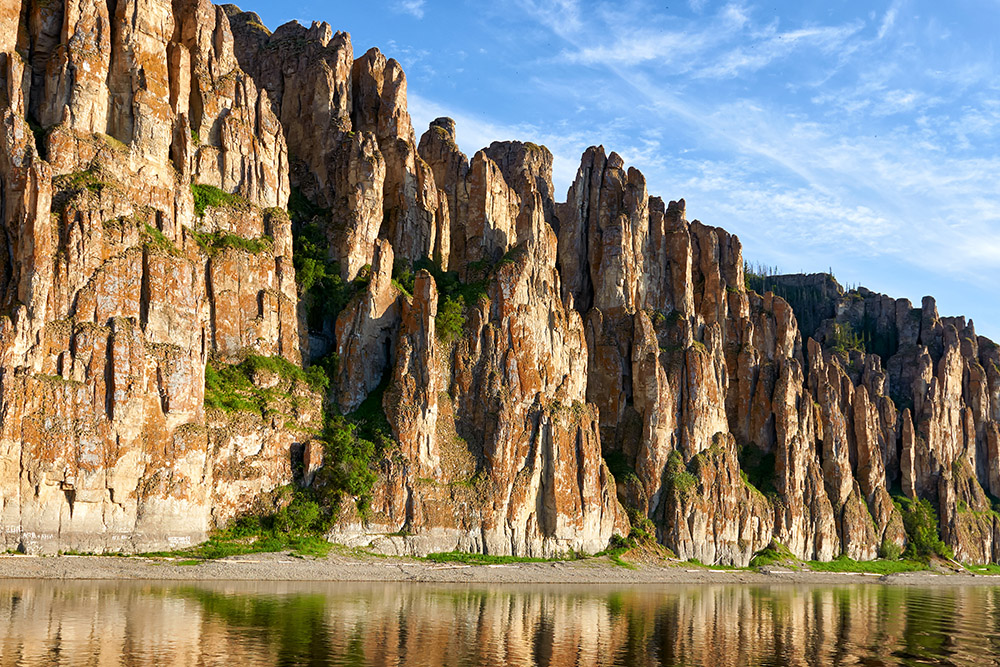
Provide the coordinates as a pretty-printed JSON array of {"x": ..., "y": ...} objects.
[{"x": 239, "y": 625}]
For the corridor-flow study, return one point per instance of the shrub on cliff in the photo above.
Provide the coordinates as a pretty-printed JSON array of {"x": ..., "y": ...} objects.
[
  {"x": 231, "y": 387},
  {"x": 346, "y": 469},
  {"x": 450, "y": 318},
  {"x": 212, "y": 243},
  {"x": 322, "y": 289},
  {"x": 677, "y": 476},
  {"x": 208, "y": 196},
  {"x": 845, "y": 340}
]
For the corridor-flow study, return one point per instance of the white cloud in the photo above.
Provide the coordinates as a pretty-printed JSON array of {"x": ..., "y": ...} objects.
[
  {"x": 414, "y": 8},
  {"x": 818, "y": 143},
  {"x": 888, "y": 20},
  {"x": 726, "y": 45}
]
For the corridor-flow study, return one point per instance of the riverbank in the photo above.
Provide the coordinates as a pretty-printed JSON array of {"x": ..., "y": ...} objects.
[{"x": 354, "y": 566}]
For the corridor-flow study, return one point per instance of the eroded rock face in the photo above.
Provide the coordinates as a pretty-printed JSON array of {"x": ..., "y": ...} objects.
[
  {"x": 116, "y": 294},
  {"x": 682, "y": 355},
  {"x": 366, "y": 333},
  {"x": 608, "y": 327}
]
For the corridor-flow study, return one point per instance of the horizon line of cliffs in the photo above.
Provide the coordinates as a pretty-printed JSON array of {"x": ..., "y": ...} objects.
[{"x": 603, "y": 329}]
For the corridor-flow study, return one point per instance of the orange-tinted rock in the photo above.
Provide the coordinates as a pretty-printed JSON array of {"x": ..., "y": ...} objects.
[
  {"x": 366, "y": 331},
  {"x": 609, "y": 325}
]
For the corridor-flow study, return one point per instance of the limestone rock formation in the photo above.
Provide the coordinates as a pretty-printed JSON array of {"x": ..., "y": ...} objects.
[
  {"x": 116, "y": 293},
  {"x": 540, "y": 370}
]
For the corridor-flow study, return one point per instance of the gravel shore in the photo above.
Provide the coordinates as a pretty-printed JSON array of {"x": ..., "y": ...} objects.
[{"x": 358, "y": 567}]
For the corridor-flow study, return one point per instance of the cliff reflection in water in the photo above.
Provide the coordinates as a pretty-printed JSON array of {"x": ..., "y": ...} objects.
[{"x": 49, "y": 623}]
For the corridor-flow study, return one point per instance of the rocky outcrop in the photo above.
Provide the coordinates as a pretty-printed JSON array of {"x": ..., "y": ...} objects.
[
  {"x": 150, "y": 150},
  {"x": 116, "y": 293},
  {"x": 366, "y": 333}
]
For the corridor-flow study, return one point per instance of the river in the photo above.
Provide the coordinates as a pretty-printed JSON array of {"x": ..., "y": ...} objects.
[{"x": 246, "y": 624}]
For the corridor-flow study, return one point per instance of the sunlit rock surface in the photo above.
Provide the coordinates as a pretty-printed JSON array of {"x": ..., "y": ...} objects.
[{"x": 734, "y": 409}]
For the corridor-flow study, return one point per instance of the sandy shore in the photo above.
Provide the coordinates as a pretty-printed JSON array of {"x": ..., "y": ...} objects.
[{"x": 355, "y": 567}]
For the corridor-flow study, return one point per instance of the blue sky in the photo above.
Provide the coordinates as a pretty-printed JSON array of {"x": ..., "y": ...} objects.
[{"x": 858, "y": 136}]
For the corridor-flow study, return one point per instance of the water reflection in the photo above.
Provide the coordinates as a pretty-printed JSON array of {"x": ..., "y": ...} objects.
[{"x": 87, "y": 623}]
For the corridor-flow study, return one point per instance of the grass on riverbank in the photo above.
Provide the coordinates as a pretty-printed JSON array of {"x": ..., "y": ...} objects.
[
  {"x": 845, "y": 564},
  {"x": 992, "y": 568},
  {"x": 487, "y": 559},
  {"x": 778, "y": 554},
  {"x": 251, "y": 536}
]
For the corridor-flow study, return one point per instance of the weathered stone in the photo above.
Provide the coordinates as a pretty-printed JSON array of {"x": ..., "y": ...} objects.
[
  {"x": 411, "y": 404},
  {"x": 366, "y": 331},
  {"x": 607, "y": 325}
]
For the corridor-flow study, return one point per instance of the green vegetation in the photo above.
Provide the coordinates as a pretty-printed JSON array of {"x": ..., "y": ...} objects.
[
  {"x": 450, "y": 319},
  {"x": 758, "y": 277},
  {"x": 889, "y": 550},
  {"x": 845, "y": 340},
  {"x": 403, "y": 276},
  {"x": 514, "y": 255},
  {"x": 887, "y": 566},
  {"x": 296, "y": 527},
  {"x": 353, "y": 442},
  {"x": 231, "y": 388},
  {"x": 321, "y": 288},
  {"x": 757, "y": 469},
  {"x": 79, "y": 181},
  {"x": 617, "y": 547},
  {"x": 39, "y": 133},
  {"x": 677, "y": 476},
  {"x": 453, "y": 294},
  {"x": 370, "y": 420},
  {"x": 991, "y": 568},
  {"x": 641, "y": 536},
  {"x": 922, "y": 533},
  {"x": 209, "y": 196},
  {"x": 111, "y": 142},
  {"x": 619, "y": 467},
  {"x": 195, "y": 137},
  {"x": 212, "y": 243},
  {"x": 154, "y": 238},
  {"x": 484, "y": 559},
  {"x": 774, "y": 553},
  {"x": 66, "y": 186}
]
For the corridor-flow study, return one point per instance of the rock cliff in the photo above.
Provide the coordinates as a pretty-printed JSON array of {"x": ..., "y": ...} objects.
[{"x": 195, "y": 207}]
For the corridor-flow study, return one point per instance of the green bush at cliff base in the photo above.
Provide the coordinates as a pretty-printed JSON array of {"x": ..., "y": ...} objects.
[
  {"x": 774, "y": 553},
  {"x": 296, "y": 527},
  {"x": 922, "y": 534}
]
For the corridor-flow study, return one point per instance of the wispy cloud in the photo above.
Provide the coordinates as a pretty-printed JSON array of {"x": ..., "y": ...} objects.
[
  {"x": 414, "y": 8},
  {"x": 726, "y": 45},
  {"x": 888, "y": 20},
  {"x": 875, "y": 158}
]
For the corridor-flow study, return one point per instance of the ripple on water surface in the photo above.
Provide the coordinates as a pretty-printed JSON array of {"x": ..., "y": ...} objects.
[{"x": 241, "y": 624}]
